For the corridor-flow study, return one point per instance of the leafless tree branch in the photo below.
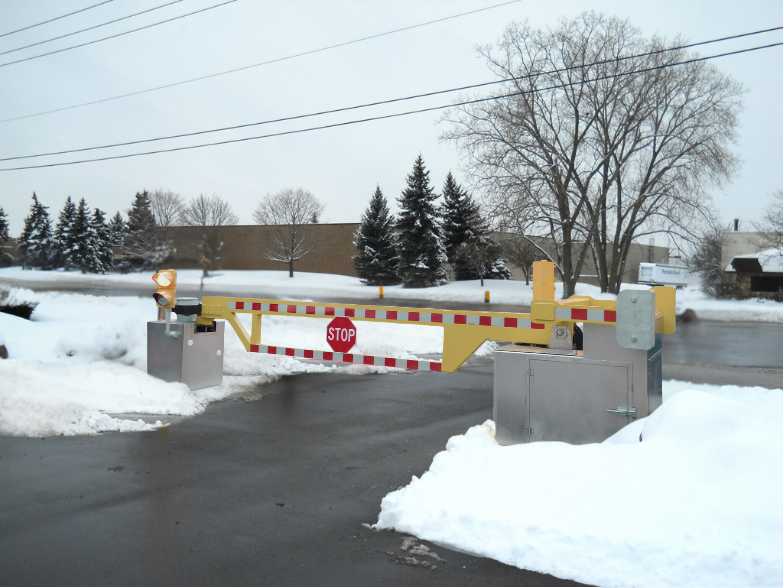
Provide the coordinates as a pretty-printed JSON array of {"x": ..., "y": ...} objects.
[
  {"x": 590, "y": 150},
  {"x": 290, "y": 215},
  {"x": 167, "y": 207}
]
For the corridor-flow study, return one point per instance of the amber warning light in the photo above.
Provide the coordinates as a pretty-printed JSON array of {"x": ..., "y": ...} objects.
[{"x": 166, "y": 280}]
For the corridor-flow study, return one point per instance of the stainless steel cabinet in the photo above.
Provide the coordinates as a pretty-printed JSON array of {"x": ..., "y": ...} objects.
[
  {"x": 553, "y": 395},
  {"x": 189, "y": 353}
]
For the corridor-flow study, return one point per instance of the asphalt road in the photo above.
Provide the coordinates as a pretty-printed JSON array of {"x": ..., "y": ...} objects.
[{"x": 273, "y": 491}]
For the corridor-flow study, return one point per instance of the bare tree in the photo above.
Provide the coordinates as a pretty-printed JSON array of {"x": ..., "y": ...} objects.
[
  {"x": 772, "y": 226},
  {"x": 211, "y": 211},
  {"x": 167, "y": 207},
  {"x": 518, "y": 250},
  {"x": 208, "y": 211},
  {"x": 592, "y": 149},
  {"x": 706, "y": 260},
  {"x": 290, "y": 215}
]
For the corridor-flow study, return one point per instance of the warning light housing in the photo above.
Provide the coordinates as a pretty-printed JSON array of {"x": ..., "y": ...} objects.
[{"x": 166, "y": 295}]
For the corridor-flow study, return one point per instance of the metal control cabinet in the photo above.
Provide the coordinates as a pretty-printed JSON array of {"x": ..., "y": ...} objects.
[
  {"x": 192, "y": 354},
  {"x": 576, "y": 397}
]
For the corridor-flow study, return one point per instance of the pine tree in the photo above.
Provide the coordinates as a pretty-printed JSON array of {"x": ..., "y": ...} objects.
[
  {"x": 460, "y": 215},
  {"x": 422, "y": 255},
  {"x": 63, "y": 239},
  {"x": 104, "y": 239},
  {"x": 480, "y": 258},
  {"x": 5, "y": 258},
  {"x": 3, "y": 225},
  {"x": 377, "y": 262},
  {"x": 36, "y": 243},
  {"x": 143, "y": 247},
  {"x": 83, "y": 254},
  {"x": 473, "y": 254},
  {"x": 117, "y": 229}
]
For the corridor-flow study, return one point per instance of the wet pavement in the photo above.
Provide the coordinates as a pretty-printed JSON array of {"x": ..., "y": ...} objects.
[
  {"x": 269, "y": 492},
  {"x": 741, "y": 344}
]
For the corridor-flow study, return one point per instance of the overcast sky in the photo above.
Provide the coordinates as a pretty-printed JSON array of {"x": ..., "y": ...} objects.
[{"x": 340, "y": 166}]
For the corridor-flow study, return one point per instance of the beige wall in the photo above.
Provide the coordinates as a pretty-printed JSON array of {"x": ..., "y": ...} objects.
[
  {"x": 242, "y": 246},
  {"x": 740, "y": 243},
  {"x": 637, "y": 254}
]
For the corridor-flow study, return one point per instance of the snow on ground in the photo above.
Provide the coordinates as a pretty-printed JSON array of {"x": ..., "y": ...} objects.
[
  {"x": 83, "y": 358},
  {"x": 709, "y": 309},
  {"x": 696, "y": 503},
  {"x": 302, "y": 286}
]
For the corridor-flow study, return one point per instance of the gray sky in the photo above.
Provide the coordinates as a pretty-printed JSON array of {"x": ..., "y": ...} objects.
[{"x": 340, "y": 166}]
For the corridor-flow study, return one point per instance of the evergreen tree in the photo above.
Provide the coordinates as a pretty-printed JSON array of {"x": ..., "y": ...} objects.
[
  {"x": 473, "y": 254},
  {"x": 422, "y": 255},
  {"x": 376, "y": 264},
  {"x": 460, "y": 215},
  {"x": 83, "y": 255},
  {"x": 480, "y": 258},
  {"x": 35, "y": 243},
  {"x": 3, "y": 225},
  {"x": 63, "y": 237},
  {"x": 117, "y": 229},
  {"x": 5, "y": 258},
  {"x": 143, "y": 247},
  {"x": 104, "y": 239}
]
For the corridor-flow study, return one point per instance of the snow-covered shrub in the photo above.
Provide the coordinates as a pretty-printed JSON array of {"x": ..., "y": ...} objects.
[{"x": 11, "y": 304}]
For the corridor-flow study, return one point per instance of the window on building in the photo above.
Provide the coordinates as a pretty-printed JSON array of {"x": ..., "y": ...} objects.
[{"x": 766, "y": 283}]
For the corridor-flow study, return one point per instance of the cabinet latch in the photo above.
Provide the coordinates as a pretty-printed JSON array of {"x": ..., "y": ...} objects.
[{"x": 624, "y": 411}]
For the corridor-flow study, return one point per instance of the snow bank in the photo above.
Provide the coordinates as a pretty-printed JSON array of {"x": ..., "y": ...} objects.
[
  {"x": 695, "y": 503},
  {"x": 83, "y": 358},
  {"x": 39, "y": 399}
]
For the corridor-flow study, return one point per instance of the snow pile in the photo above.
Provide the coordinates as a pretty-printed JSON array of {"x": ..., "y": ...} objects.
[
  {"x": 46, "y": 399},
  {"x": 696, "y": 502},
  {"x": 83, "y": 358}
]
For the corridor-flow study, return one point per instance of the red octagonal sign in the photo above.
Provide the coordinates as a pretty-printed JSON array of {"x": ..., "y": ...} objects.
[{"x": 341, "y": 334}]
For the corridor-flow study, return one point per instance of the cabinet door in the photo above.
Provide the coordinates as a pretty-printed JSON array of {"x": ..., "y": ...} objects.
[
  {"x": 510, "y": 406},
  {"x": 569, "y": 400}
]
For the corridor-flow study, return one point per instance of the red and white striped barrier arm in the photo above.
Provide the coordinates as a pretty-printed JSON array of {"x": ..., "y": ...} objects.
[
  {"x": 406, "y": 364},
  {"x": 389, "y": 315},
  {"x": 586, "y": 314}
]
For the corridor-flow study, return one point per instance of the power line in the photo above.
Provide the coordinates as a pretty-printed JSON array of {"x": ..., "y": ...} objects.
[
  {"x": 117, "y": 35},
  {"x": 392, "y": 100},
  {"x": 263, "y": 63},
  {"x": 88, "y": 28},
  {"x": 389, "y": 116},
  {"x": 38, "y": 24}
]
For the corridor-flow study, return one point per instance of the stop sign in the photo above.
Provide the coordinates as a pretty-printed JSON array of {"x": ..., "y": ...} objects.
[{"x": 341, "y": 334}]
